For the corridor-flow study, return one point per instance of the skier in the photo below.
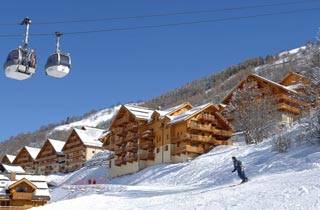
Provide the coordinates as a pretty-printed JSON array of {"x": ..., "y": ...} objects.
[{"x": 240, "y": 169}]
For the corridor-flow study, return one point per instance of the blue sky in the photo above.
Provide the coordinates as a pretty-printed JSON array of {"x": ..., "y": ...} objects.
[{"x": 115, "y": 67}]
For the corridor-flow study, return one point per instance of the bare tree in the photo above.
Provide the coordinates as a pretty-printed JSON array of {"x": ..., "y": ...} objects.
[{"x": 254, "y": 112}]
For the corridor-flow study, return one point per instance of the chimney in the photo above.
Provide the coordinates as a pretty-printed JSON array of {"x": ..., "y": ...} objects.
[{"x": 13, "y": 176}]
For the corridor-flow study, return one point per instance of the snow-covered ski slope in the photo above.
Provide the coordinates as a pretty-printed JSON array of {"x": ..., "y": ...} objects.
[{"x": 276, "y": 181}]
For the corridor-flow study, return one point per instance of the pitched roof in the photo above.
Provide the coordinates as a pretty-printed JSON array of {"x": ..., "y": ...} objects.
[
  {"x": 33, "y": 151},
  {"x": 90, "y": 136},
  {"x": 171, "y": 110},
  {"x": 186, "y": 115},
  {"x": 10, "y": 157},
  {"x": 10, "y": 169},
  {"x": 140, "y": 112},
  {"x": 57, "y": 145},
  {"x": 13, "y": 184},
  {"x": 260, "y": 78}
]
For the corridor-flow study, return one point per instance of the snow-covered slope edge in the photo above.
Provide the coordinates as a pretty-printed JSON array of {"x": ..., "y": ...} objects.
[{"x": 92, "y": 120}]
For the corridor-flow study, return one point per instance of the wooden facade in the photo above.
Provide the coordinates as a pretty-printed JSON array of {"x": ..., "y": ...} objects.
[
  {"x": 26, "y": 158},
  {"x": 288, "y": 102},
  {"x": 198, "y": 131},
  {"x": 81, "y": 145},
  {"x": 141, "y": 137},
  {"x": 51, "y": 158},
  {"x": 22, "y": 193}
]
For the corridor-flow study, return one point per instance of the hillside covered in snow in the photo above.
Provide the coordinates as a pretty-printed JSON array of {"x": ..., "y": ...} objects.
[{"x": 287, "y": 180}]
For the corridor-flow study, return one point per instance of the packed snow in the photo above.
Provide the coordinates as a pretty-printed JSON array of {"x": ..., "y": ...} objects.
[
  {"x": 93, "y": 120},
  {"x": 276, "y": 181}
]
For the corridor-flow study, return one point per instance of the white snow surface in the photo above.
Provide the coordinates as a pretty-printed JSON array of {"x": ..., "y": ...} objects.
[
  {"x": 13, "y": 169},
  {"x": 276, "y": 181},
  {"x": 33, "y": 151},
  {"x": 94, "y": 169},
  {"x": 93, "y": 120},
  {"x": 57, "y": 145}
]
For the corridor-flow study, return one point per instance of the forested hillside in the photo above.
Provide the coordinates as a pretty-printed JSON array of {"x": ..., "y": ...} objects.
[{"x": 211, "y": 88}]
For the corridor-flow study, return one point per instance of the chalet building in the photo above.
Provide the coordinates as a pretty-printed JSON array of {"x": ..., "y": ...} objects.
[
  {"x": 81, "y": 145},
  {"x": 51, "y": 158},
  {"x": 26, "y": 158},
  {"x": 197, "y": 131},
  {"x": 142, "y": 137},
  {"x": 23, "y": 191},
  {"x": 8, "y": 159},
  {"x": 287, "y": 100},
  {"x": 131, "y": 153}
]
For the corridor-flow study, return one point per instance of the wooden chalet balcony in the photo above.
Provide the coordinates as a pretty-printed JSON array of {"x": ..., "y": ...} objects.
[
  {"x": 202, "y": 139},
  {"x": 147, "y": 135},
  {"x": 146, "y": 145},
  {"x": 210, "y": 128},
  {"x": 287, "y": 108},
  {"x": 189, "y": 149},
  {"x": 286, "y": 98},
  {"x": 132, "y": 147},
  {"x": 147, "y": 156},
  {"x": 207, "y": 117},
  {"x": 119, "y": 140},
  {"x": 130, "y": 157},
  {"x": 132, "y": 127},
  {"x": 22, "y": 196},
  {"x": 131, "y": 135}
]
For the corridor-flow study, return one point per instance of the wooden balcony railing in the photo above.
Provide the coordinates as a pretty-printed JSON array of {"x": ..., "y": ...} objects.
[
  {"x": 189, "y": 149},
  {"x": 131, "y": 135},
  {"x": 210, "y": 128},
  {"x": 132, "y": 127},
  {"x": 22, "y": 196},
  {"x": 147, "y": 135},
  {"x": 202, "y": 139},
  {"x": 287, "y": 108},
  {"x": 132, "y": 147},
  {"x": 207, "y": 117},
  {"x": 286, "y": 98}
]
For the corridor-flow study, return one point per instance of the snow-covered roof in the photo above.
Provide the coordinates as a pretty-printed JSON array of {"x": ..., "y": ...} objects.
[
  {"x": 274, "y": 83},
  {"x": 187, "y": 114},
  {"x": 90, "y": 136},
  {"x": 10, "y": 157},
  {"x": 42, "y": 189},
  {"x": 170, "y": 110},
  {"x": 285, "y": 88},
  {"x": 33, "y": 151},
  {"x": 57, "y": 145},
  {"x": 10, "y": 169},
  {"x": 140, "y": 112}
]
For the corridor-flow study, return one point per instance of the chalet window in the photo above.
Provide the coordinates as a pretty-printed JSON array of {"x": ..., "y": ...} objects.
[
  {"x": 89, "y": 181},
  {"x": 167, "y": 136},
  {"x": 166, "y": 148},
  {"x": 158, "y": 150},
  {"x": 22, "y": 189},
  {"x": 178, "y": 144},
  {"x": 93, "y": 152}
]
